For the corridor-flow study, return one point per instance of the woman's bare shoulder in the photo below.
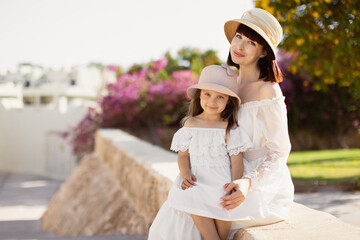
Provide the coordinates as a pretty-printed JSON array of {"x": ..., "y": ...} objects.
[{"x": 269, "y": 90}]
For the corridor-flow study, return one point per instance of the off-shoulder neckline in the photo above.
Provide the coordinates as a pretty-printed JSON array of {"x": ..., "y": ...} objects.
[{"x": 261, "y": 102}]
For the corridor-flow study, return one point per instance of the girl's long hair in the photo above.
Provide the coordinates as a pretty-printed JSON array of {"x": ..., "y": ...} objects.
[{"x": 229, "y": 114}]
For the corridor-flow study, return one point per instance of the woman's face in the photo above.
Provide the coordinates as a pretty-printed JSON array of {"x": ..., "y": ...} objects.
[{"x": 245, "y": 51}]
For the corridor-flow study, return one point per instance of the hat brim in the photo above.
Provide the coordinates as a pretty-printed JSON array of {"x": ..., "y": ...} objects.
[
  {"x": 231, "y": 26},
  {"x": 214, "y": 87}
]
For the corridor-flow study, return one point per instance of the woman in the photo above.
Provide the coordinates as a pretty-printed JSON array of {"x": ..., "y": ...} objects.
[
  {"x": 266, "y": 191},
  {"x": 266, "y": 186}
]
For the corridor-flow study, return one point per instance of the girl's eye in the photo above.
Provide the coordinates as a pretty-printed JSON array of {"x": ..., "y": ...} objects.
[
  {"x": 238, "y": 35},
  {"x": 221, "y": 97},
  {"x": 207, "y": 94},
  {"x": 252, "y": 43}
]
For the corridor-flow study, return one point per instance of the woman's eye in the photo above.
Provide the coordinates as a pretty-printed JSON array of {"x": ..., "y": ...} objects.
[
  {"x": 238, "y": 35},
  {"x": 207, "y": 94},
  {"x": 221, "y": 97},
  {"x": 252, "y": 43}
]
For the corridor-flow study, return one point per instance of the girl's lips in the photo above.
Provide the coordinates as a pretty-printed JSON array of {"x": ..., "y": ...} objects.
[
  {"x": 212, "y": 108},
  {"x": 237, "y": 54}
]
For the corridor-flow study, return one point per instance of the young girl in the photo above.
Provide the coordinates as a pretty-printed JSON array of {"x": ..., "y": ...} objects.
[{"x": 209, "y": 147}]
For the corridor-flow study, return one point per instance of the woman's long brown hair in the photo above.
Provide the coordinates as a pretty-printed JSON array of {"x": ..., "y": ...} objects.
[{"x": 229, "y": 114}]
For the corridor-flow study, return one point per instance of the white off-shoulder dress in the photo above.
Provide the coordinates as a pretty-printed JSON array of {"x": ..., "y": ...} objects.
[{"x": 272, "y": 191}]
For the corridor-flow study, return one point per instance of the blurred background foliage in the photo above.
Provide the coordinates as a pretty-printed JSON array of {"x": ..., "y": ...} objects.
[
  {"x": 146, "y": 100},
  {"x": 324, "y": 36},
  {"x": 321, "y": 58},
  {"x": 319, "y": 55}
]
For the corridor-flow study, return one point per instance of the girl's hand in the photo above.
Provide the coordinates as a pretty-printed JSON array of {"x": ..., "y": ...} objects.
[
  {"x": 188, "y": 181},
  {"x": 236, "y": 192}
]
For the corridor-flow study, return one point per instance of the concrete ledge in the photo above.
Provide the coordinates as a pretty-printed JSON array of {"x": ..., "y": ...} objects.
[
  {"x": 303, "y": 223},
  {"x": 131, "y": 182}
]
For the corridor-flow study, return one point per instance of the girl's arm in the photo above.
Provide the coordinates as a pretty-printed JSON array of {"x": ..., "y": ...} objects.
[
  {"x": 237, "y": 166},
  {"x": 189, "y": 179},
  {"x": 233, "y": 188}
]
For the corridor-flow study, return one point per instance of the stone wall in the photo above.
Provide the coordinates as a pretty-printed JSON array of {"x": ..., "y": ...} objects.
[
  {"x": 91, "y": 203},
  {"x": 117, "y": 189},
  {"x": 121, "y": 186}
]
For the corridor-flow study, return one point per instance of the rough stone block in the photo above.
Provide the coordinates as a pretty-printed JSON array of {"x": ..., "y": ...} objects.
[{"x": 90, "y": 203}]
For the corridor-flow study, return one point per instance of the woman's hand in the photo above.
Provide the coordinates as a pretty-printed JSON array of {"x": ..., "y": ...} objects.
[
  {"x": 188, "y": 181},
  {"x": 236, "y": 192}
]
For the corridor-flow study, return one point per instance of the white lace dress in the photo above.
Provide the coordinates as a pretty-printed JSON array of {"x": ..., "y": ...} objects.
[
  {"x": 210, "y": 163},
  {"x": 272, "y": 191}
]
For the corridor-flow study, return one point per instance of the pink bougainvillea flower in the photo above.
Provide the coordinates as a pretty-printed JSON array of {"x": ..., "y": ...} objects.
[
  {"x": 113, "y": 68},
  {"x": 352, "y": 115},
  {"x": 183, "y": 75},
  {"x": 159, "y": 64}
]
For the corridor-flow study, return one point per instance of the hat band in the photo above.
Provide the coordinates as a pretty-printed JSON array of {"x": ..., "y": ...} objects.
[{"x": 264, "y": 28}]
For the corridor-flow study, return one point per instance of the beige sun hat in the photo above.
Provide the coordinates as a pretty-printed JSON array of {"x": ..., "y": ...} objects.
[
  {"x": 216, "y": 78},
  {"x": 261, "y": 22}
]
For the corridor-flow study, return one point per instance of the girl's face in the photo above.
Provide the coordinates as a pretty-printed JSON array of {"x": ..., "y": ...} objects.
[
  {"x": 245, "y": 51},
  {"x": 213, "y": 102}
]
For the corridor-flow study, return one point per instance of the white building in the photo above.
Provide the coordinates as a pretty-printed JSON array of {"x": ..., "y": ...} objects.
[{"x": 36, "y": 106}]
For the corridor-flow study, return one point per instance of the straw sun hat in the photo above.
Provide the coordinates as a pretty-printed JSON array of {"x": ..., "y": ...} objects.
[
  {"x": 262, "y": 22},
  {"x": 217, "y": 78}
]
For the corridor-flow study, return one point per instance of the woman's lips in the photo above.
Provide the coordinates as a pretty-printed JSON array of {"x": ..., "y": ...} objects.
[{"x": 237, "y": 54}]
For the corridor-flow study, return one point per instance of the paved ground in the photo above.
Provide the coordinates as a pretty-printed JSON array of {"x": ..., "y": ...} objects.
[
  {"x": 23, "y": 199},
  {"x": 344, "y": 205}
]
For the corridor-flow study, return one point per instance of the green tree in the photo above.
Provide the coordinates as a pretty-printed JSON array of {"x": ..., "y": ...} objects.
[
  {"x": 325, "y": 36},
  {"x": 197, "y": 60}
]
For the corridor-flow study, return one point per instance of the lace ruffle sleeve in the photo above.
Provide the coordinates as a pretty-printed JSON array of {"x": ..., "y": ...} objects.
[
  {"x": 273, "y": 123},
  {"x": 239, "y": 141},
  {"x": 181, "y": 140}
]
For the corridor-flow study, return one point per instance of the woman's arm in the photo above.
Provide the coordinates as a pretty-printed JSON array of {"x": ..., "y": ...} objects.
[{"x": 273, "y": 126}]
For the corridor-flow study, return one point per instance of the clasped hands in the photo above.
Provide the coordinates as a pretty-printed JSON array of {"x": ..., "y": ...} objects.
[{"x": 235, "y": 191}]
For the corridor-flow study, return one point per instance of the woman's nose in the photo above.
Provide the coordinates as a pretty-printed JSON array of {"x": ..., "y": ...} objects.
[{"x": 239, "y": 44}]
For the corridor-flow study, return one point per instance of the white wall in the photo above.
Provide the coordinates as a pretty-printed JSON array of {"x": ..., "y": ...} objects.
[{"x": 29, "y": 141}]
